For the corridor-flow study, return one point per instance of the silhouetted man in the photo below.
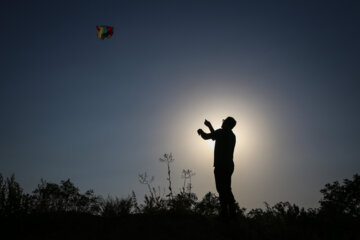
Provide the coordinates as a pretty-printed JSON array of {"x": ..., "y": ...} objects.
[{"x": 223, "y": 163}]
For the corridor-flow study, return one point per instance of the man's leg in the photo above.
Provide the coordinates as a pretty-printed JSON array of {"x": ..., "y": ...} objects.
[
  {"x": 229, "y": 197},
  {"x": 220, "y": 178},
  {"x": 231, "y": 201}
]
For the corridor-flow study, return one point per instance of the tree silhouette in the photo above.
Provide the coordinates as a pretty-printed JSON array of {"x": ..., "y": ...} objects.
[
  {"x": 51, "y": 197},
  {"x": 12, "y": 199},
  {"x": 342, "y": 199}
]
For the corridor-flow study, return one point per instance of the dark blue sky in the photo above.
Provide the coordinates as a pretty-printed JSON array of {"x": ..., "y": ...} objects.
[{"x": 100, "y": 112}]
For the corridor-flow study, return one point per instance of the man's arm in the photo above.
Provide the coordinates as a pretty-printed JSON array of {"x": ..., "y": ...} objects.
[
  {"x": 208, "y": 124},
  {"x": 204, "y": 135}
]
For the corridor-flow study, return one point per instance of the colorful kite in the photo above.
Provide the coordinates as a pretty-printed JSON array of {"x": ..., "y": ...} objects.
[{"x": 105, "y": 31}]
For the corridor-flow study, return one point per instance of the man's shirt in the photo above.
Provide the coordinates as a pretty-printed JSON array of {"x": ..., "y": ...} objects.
[{"x": 224, "y": 147}]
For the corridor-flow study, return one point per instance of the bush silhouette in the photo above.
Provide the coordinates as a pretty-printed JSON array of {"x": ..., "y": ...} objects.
[
  {"x": 342, "y": 199},
  {"x": 182, "y": 203},
  {"x": 115, "y": 207},
  {"x": 51, "y": 197},
  {"x": 12, "y": 199},
  {"x": 209, "y": 205},
  {"x": 337, "y": 217}
]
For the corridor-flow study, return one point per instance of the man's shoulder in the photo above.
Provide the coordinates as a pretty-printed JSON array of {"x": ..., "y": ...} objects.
[
  {"x": 229, "y": 134},
  {"x": 224, "y": 133},
  {"x": 219, "y": 132}
]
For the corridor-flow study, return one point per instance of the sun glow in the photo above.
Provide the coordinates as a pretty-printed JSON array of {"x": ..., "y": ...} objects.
[
  {"x": 249, "y": 132},
  {"x": 256, "y": 131},
  {"x": 252, "y": 130},
  {"x": 210, "y": 144}
]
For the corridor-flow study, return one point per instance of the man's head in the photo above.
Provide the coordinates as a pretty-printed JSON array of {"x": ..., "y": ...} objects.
[{"x": 228, "y": 123}]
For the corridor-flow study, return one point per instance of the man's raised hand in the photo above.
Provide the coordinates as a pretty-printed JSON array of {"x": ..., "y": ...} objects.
[
  {"x": 200, "y": 131},
  {"x": 207, "y": 123}
]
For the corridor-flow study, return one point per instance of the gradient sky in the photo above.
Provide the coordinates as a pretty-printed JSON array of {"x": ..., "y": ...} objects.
[{"x": 101, "y": 112}]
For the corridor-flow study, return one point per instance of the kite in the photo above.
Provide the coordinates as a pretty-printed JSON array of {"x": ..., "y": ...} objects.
[{"x": 105, "y": 31}]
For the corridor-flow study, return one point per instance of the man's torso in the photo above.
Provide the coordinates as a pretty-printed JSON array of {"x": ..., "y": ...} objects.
[{"x": 224, "y": 148}]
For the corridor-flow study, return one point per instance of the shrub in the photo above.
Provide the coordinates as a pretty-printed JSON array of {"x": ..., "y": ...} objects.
[
  {"x": 114, "y": 207},
  {"x": 209, "y": 205},
  {"x": 51, "y": 197},
  {"x": 342, "y": 199},
  {"x": 183, "y": 203}
]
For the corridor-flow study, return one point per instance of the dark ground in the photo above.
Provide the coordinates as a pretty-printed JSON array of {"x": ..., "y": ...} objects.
[{"x": 80, "y": 226}]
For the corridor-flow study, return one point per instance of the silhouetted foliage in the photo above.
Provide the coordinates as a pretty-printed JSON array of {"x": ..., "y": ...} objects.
[
  {"x": 51, "y": 197},
  {"x": 187, "y": 175},
  {"x": 337, "y": 217},
  {"x": 2, "y": 195},
  {"x": 209, "y": 205},
  {"x": 114, "y": 207},
  {"x": 342, "y": 199},
  {"x": 279, "y": 214},
  {"x": 144, "y": 179},
  {"x": 182, "y": 203},
  {"x": 153, "y": 205},
  {"x": 12, "y": 199},
  {"x": 154, "y": 202},
  {"x": 168, "y": 159},
  {"x": 286, "y": 211}
]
